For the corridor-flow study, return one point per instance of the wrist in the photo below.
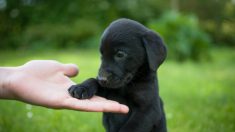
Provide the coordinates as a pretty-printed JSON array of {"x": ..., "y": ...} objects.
[{"x": 6, "y": 74}]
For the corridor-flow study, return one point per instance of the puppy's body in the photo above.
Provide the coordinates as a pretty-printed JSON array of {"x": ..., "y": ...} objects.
[{"x": 131, "y": 55}]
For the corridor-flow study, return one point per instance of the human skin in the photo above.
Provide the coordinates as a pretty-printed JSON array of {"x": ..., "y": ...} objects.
[{"x": 45, "y": 83}]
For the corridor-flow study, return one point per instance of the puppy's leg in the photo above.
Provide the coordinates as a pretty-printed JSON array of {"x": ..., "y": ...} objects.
[
  {"x": 160, "y": 126},
  {"x": 139, "y": 121},
  {"x": 84, "y": 90}
]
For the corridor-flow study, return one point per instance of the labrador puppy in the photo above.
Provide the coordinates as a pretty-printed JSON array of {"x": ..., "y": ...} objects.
[{"x": 131, "y": 55}]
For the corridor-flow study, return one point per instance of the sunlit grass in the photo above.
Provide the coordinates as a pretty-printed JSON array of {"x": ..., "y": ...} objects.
[{"x": 198, "y": 97}]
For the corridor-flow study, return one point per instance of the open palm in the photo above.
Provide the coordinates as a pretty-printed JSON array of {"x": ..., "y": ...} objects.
[{"x": 46, "y": 83}]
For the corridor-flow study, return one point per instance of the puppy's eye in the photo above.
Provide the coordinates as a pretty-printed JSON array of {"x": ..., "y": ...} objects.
[{"x": 120, "y": 55}]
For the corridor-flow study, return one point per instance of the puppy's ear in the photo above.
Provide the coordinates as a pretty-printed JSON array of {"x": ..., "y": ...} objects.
[{"x": 155, "y": 49}]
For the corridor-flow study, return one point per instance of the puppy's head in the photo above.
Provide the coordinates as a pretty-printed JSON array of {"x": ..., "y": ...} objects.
[{"x": 127, "y": 45}]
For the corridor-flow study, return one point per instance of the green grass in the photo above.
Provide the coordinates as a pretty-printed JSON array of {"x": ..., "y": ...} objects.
[{"x": 198, "y": 97}]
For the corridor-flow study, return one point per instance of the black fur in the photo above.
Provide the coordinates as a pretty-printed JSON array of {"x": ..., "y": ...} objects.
[{"x": 131, "y": 55}]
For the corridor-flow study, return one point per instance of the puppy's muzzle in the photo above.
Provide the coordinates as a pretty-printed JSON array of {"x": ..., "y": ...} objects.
[
  {"x": 110, "y": 80},
  {"x": 103, "y": 77},
  {"x": 102, "y": 80}
]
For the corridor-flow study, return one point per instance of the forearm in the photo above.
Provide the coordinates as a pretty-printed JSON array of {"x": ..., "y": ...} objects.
[{"x": 5, "y": 82}]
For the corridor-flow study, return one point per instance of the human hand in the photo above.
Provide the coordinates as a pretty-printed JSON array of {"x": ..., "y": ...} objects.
[{"x": 46, "y": 83}]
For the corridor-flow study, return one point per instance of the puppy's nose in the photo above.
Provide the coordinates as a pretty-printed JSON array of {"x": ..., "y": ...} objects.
[{"x": 102, "y": 80}]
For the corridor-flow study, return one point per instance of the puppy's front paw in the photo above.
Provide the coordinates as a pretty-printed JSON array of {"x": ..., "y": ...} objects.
[{"x": 80, "y": 92}]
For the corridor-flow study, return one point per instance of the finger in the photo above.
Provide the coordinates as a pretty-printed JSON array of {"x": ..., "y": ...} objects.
[
  {"x": 97, "y": 98},
  {"x": 70, "y": 70},
  {"x": 108, "y": 106},
  {"x": 101, "y": 99},
  {"x": 113, "y": 105},
  {"x": 96, "y": 106}
]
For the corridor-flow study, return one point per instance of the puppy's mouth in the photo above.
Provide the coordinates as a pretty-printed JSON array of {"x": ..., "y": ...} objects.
[{"x": 114, "y": 82}]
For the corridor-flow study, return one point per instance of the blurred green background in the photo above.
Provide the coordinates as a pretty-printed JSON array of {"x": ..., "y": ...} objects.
[{"x": 197, "y": 81}]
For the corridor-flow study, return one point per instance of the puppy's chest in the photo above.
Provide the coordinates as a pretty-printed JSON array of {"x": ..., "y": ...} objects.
[
  {"x": 128, "y": 97},
  {"x": 118, "y": 95}
]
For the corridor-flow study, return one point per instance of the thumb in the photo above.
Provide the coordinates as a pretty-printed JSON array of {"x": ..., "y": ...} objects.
[{"x": 70, "y": 70}]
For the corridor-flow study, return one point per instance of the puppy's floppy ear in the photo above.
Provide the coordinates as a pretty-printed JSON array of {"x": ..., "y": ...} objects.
[{"x": 155, "y": 49}]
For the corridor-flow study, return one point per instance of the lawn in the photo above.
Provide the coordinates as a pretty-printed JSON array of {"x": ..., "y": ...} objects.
[{"x": 198, "y": 97}]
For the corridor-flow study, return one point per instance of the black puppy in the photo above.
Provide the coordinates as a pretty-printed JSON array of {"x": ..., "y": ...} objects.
[{"x": 131, "y": 55}]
